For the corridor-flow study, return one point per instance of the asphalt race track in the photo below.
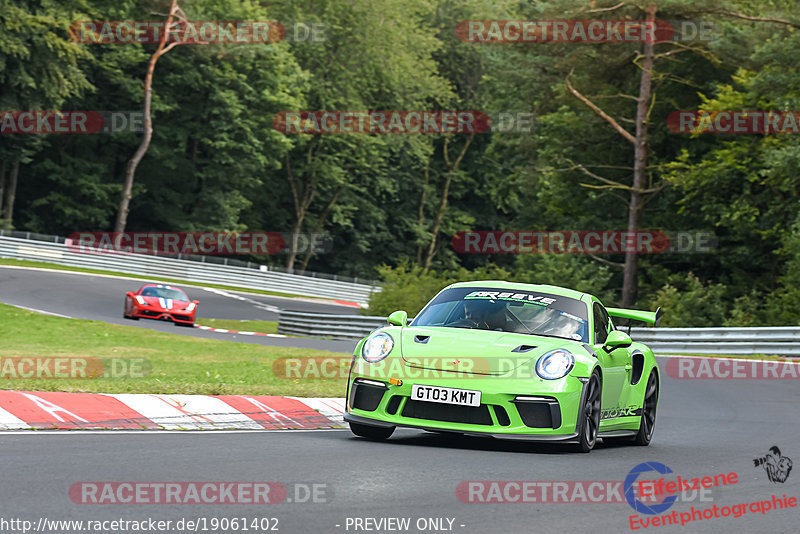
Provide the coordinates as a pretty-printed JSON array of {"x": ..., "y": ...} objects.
[
  {"x": 100, "y": 298},
  {"x": 705, "y": 428}
]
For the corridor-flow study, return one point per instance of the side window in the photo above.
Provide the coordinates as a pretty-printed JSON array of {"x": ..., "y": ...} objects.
[{"x": 601, "y": 322}]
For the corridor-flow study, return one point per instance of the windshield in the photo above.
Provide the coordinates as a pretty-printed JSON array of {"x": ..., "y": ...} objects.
[
  {"x": 521, "y": 312},
  {"x": 164, "y": 293}
]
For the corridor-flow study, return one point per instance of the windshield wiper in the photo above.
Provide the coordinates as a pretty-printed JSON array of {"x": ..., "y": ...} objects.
[{"x": 552, "y": 335}]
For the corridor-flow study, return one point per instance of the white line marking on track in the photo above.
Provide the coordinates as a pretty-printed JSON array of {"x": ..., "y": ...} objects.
[
  {"x": 43, "y": 312},
  {"x": 257, "y": 304}
]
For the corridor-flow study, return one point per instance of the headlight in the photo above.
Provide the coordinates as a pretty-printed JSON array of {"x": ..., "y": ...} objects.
[
  {"x": 555, "y": 364},
  {"x": 377, "y": 347},
  {"x": 190, "y": 307},
  {"x": 141, "y": 301}
]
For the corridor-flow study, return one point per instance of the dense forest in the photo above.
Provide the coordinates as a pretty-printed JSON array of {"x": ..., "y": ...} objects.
[{"x": 592, "y": 149}]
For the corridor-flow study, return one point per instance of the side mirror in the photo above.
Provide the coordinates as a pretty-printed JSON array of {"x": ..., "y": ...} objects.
[
  {"x": 398, "y": 318},
  {"x": 129, "y": 294},
  {"x": 195, "y": 302},
  {"x": 617, "y": 340}
]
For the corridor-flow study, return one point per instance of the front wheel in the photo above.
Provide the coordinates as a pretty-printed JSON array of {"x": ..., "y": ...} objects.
[
  {"x": 648, "y": 423},
  {"x": 376, "y": 433},
  {"x": 125, "y": 312},
  {"x": 589, "y": 414}
]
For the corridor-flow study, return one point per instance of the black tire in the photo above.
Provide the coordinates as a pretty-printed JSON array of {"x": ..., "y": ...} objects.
[
  {"x": 376, "y": 433},
  {"x": 589, "y": 414},
  {"x": 649, "y": 407}
]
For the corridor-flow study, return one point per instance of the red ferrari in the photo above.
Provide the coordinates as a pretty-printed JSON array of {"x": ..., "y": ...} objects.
[{"x": 154, "y": 301}]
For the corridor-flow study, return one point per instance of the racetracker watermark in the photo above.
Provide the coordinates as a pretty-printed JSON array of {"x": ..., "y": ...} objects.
[
  {"x": 381, "y": 122},
  {"x": 395, "y": 370},
  {"x": 693, "y": 367},
  {"x": 195, "y": 243},
  {"x": 70, "y": 122},
  {"x": 215, "y": 493},
  {"x": 185, "y": 32},
  {"x": 333, "y": 367},
  {"x": 583, "y": 31},
  {"x": 559, "y": 491},
  {"x": 734, "y": 122},
  {"x": 582, "y": 242},
  {"x": 73, "y": 368}
]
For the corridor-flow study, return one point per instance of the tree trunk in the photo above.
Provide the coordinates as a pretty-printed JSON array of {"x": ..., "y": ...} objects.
[
  {"x": 8, "y": 213},
  {"x": 437, "y": 220},
  {"x": 2, "y": 184},
  {"x": 301, "y": 203},
  {"x": 130, "y": 171},
  {"x": 293, "y": 245},
  {"x": 421, "y": 211},
  {"x": 320, "y": 224},
  {"x": 630, "y": 283}
]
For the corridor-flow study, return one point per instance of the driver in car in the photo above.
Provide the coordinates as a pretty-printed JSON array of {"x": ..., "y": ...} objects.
[
  {"x": 563, "y": 326},
  {"x": 486, "y": 314}
]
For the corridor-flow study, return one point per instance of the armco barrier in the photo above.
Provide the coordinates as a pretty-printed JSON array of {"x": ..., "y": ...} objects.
[
  {"x": 221, "y": 271},
  {"x": 783, "y": 340},
  {"x": 325, "y": 325}
]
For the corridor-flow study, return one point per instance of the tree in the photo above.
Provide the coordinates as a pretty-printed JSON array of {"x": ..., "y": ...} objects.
[
  {"x": 175, "y": 12},
  {"x": 39, "y": 70}
]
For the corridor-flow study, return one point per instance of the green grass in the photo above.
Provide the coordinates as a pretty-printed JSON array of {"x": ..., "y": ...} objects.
[
  {"x": 178, "y": 364},
  {"x": 264, "y": 327},
  {"x": 175, "y": 281}
]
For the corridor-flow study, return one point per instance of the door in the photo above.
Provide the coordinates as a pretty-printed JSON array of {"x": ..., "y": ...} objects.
[{"x": 614, "y": 362}]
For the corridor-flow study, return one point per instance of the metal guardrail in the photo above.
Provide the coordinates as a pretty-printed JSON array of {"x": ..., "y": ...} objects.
[
  {"x": 783, "y": 340},
  {"x": 221, "y": 271},
  {"x": 325, "y": 325}
]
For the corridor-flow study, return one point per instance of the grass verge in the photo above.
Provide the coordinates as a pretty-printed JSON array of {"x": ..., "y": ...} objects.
[{"x": 177, "y": 364}]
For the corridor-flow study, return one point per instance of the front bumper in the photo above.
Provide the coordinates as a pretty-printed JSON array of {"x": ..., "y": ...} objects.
[
  {"x": 509, "y": 409},
  {"x": 172, "y": 315}
]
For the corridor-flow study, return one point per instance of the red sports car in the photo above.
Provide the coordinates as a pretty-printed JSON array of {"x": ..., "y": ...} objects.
[{"x": 154, "y": 301}]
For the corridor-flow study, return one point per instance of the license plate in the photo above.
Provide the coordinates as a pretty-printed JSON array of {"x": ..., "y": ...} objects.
[{"x": 461, "y": 397}]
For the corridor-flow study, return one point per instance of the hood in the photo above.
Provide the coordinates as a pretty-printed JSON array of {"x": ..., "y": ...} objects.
[
  {"x": 472, "y": 351},
  {"x": 166, "y": 304}
]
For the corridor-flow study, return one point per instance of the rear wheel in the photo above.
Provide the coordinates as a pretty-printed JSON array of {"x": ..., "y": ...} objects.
[
  {"x": 649, "y": 406},
  {"x": 589, "y": 414},
  {"x": 371, "y": 432}
]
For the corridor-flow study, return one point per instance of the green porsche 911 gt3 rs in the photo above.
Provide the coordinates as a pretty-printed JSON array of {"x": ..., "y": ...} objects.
[{"x": 507, "y": 360}]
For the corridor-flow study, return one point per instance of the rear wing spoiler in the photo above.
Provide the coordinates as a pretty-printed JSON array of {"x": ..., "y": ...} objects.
[{"x": 652, "y": 318}]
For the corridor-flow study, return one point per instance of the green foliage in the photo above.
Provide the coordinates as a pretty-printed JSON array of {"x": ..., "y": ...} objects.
[
  {"x": 409, "y": 288},
  {"x": 566, "y": 270},
  {"x": 687, "y": 301},
  {"x": 217, "y": 163}
]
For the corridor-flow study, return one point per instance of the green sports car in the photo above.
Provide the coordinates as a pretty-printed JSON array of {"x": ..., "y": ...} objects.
[{"x": 507, "y": 360}]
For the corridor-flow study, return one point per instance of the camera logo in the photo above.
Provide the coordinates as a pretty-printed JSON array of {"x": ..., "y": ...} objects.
[{"x": 777, "y": 467}]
